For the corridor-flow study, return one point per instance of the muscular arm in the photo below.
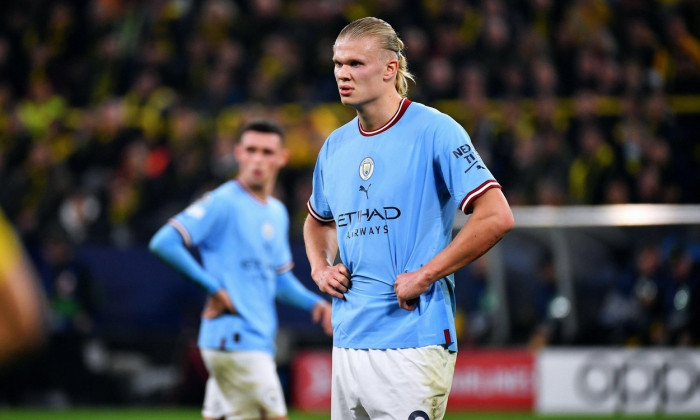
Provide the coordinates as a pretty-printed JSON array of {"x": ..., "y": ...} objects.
[
  {"x": 321, "y": 249},
  {"x": 490, "y": 221}
]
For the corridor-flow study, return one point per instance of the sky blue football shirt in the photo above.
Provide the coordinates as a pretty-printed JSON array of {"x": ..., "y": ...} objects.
[
  {"x": 243, "y": 242},
  {"x": 393, "y": 194}
]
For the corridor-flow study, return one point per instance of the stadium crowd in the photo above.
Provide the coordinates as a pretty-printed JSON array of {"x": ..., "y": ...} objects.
[{"x": 115, "y": 114}]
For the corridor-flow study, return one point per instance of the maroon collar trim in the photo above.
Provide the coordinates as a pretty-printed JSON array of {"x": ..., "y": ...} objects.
[{"x": 405, "y": 102}]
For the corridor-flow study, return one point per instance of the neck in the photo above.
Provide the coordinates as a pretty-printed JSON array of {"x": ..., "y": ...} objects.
[
  {"x": 377, "y": 113},
  {"x": 260, "y": 193}
]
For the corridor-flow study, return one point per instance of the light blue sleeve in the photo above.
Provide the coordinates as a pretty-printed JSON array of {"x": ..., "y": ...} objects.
[
  {"x": 292, "y": 292},
  {"x": 200, "y": 220},
  {"x": 461, "y": 167},
  {"x": 168, "y": 244},
  {"x": 317, "y": 204}
]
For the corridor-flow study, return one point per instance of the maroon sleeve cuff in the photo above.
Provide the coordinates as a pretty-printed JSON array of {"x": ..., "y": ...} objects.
[
  {"x": 315, "y": 215},
  {"x": 476, "y": 193}
]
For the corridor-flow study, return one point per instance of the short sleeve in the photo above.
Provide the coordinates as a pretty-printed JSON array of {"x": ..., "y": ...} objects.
[
  {"x": 464, "y": 172},
  {"x": 318, "y": 203},
  {"x": 197, "y": 221}
]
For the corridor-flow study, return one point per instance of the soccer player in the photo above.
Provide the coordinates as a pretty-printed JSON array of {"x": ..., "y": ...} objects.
[
  {"x": 22, "y": 302},
  {"x": 385, "y": 191},
  {"x": 241, "y": 233}
]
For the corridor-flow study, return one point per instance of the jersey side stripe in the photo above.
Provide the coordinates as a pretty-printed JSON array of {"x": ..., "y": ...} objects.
[
  {"x": 182, "y": 231},
  {"x": 476, "y": 193},
  {"x": 315, "y": 215}
]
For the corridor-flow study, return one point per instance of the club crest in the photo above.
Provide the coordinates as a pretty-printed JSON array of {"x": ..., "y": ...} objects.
[
  {"x": 366, "y": 168},
  {"x": 268, "y": 231}
]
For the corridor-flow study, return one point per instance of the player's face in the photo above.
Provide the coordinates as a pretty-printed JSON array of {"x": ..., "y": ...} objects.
[
  {"x": 260, "y": 156},
  {"x": 361, "y": 70}
]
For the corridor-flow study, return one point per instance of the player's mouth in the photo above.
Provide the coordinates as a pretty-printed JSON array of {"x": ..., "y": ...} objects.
[{"x": 345, "y": 90}]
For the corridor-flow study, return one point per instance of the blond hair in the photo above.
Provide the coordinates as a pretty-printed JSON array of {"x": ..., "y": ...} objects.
[{"x": 388, "y": 40}]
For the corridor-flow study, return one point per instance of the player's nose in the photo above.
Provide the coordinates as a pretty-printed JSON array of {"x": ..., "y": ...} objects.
[{"x": 341, "y": 73}]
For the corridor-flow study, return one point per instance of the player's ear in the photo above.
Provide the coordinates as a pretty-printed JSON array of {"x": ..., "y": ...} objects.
[
  {"x": 391, "y": 68},
  {"x": 284, "y": 156}
]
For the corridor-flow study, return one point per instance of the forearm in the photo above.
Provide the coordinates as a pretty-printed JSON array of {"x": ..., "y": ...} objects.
[
  {"x": 321, "y": 248},
  {"x": 167, "y": 244},
  {"x": 292, "y": 292},
  {"x": 321, "y": 243},
  {"x": 491, "y": 220}
]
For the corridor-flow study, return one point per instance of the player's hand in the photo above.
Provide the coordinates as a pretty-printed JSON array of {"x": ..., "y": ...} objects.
[
  {"x": 217, "y": 304},
  {"x": 409, "y": 286},
  {"x": 321, "y": 313},
  {"x": 333, "y": 280}
]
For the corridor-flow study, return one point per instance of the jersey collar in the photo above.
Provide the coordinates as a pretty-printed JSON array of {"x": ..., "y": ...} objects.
[
  {"x": 250, "y": 193},
  {"x": 405, "y": 102}
]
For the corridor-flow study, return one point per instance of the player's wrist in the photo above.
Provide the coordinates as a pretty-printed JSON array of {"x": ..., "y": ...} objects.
[
  {"x": 210, "y": 287},
  {"x": 317, "y": 305},
  {"x": 317, "y": 269},
  {"x": 427, "y": 275}
]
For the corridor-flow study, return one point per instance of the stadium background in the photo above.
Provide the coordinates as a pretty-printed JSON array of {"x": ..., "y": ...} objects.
[{"x": 114, "y": 114}]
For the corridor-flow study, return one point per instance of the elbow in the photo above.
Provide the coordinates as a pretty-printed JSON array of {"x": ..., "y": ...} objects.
[
  {"x": 310, "y": 223},
  {"x": 157, "y": 242},
  {"x": 507, "y": 221},
  {"x": 493, "y": 209},
  {"x": 153, "y": 245},
  {"x": 504, "y": 222}
]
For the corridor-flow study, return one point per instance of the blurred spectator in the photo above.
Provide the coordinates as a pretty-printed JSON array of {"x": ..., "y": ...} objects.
[
  {"x": 74, "y": 303},
  {"x": 677, "y": 293},
  {"x": 684, "y": 54},
  {"x": 547, "y": 326},
  {"x": 632, "y": 312},
  {"x": 593, "y": 167},
  {"x": 475, "y": 300},
  {"x": 41, "y": 108},
  {"x": 79, "y": 214}
]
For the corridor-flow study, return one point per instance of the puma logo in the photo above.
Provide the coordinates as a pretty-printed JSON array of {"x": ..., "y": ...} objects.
[{"x": 365, "y": 190}]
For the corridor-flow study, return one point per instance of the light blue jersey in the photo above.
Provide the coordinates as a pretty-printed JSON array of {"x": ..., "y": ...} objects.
[
  {"x": 393, "y": 194},
  {"x": 244, "y": 245}
]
